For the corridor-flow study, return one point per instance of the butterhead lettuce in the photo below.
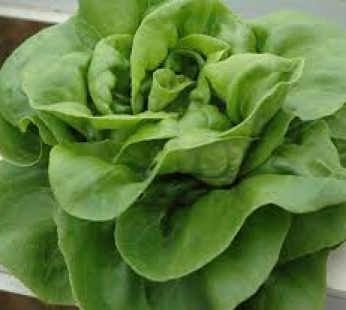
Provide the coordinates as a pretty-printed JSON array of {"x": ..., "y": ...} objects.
[{"x": 163, "y": 155}]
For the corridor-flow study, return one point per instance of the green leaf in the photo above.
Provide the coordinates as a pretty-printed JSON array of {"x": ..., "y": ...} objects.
[
  {"x": 23, "y": 149},
  {"x": 109, "y": 75},
  {"x": 192, "y": 146},
  {"x": 270, "y": 79},
  {"x": 205, "y": 154},
  {"x": 100, "y": 192},
  {"x": 190, "y": 153},
  {"x": 117, "y": 174},
  {"x": 28, "y": 238},
  {"x": 159, "y": 255},
  {"x": 114, "y": 185},
  {"x": 300, "y": 284},
  {"x": 182, "y": 294},
  {"x": 65, "y": 96},
  {"x": 165, "y": 25},
  {"x": 52, "y": 130},
  {"x": 237, "y": 274},
  {"x": 51, "y": 80},
  {"x": 328, "y": 226},
  {"x": 341, "y": 146},
  {"x": 271, "y": 138},
  {"x": 337, "y": 124},
  {"x": 99, "y": 277},
  {"x": 72, "y": 36},
  {"x": 82, "y": 117},
  {"x": 321, "y": 91},
  {"x": 313, "y": 154},
  {"x": 216, "y": 157},
  {"x": 108, "y": 17},
  {"x": 55, "y": 41},
  {"x": 199, "y": 116},
  {"x": 202, "y": 43},
  {"x": 166, "y": 88}
]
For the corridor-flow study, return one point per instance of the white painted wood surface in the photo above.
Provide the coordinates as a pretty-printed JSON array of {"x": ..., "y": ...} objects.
[
  {"x": 337, "y": 273},
  {"x": 50, "y": 11},
  {"x": 9, "y": 283}
]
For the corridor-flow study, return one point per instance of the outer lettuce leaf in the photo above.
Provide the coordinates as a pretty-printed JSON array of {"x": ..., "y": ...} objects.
[
  {"x": 28, "y": 238},
  {"x": 300, "y": 283},
  {"x": 313, "y": 154},
  {"x": 148, "y": 249},
  {"x": 72, "y": 36},
  {"x": 231, "y": 278},
  {"x": 329, "y": 225},
  {"x": 56, "y": 41},
  {"x": 321, "y": 91},
  {"x": 79, "y": 34},
  {"x": 108, "y": 17},
  {"x": 337, "y": 124},
  {"x": 63, "y": 81},
  {"x": 184, "y": 294},
  {"x": 66, "y": 97},
  {"x": 18, "y": 148},
  {"x": 99, "y": 277},
  {"x": 101, "y": 192}
]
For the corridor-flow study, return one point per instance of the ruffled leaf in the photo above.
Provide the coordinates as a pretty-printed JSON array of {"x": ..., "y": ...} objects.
[
  {"x": 166, "y": 87},
  {"x": 231, "y": 278},
  {"x": 321, "y": 91},
  {"x": 23, "y": 149},
  {"x": 328, "y": 226},
  {"x": 28, "y": 238},
  {"x": 165, "y": 25},
  {"x": 108, "y": 17},
  {"x": 301, "y": 284},
  {"x": 312, "y": 154},
  {"x": 102, "y": 191},
  {"x": 150, "y": 251},
  {"x": 269, "y": 79},
  {"x": 109, "y": 76},
  {"x": 99, "y": 277}
]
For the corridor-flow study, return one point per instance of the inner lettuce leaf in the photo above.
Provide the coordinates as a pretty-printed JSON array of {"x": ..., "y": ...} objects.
[{"x": 166, "y": 154}]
